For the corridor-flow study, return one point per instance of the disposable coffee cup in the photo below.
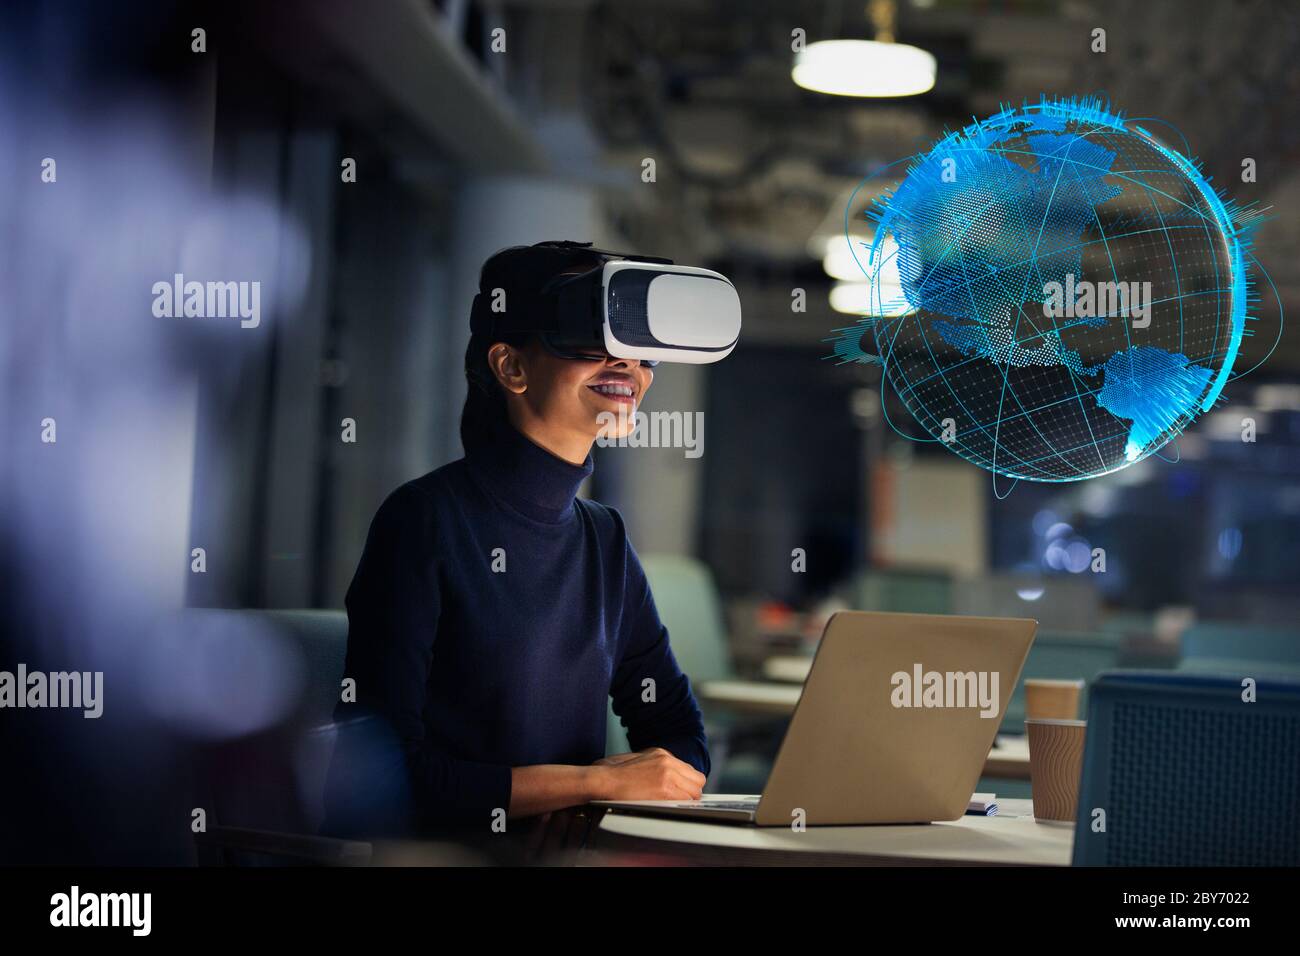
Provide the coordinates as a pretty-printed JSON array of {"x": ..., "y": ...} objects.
[
  {"x": 1052, "y": 699},
  {"x": 1055, "y": 762}
]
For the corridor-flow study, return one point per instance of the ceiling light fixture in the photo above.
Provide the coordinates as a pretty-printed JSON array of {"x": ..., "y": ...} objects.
[{"x": 875, "y": 68}]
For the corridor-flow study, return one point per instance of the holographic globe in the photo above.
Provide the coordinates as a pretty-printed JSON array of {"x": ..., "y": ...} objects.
[{"x": 1055, "y": 293}]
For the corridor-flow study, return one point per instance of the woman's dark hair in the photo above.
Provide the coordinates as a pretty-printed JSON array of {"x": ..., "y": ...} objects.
[
  {"x": 521, "y": 271},
  {"x": 485, "y": 401}
]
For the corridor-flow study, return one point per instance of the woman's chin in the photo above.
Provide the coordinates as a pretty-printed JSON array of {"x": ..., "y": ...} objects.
[
  {"x": 612, "y": 424},
  {"x": 620, "y": 410}
]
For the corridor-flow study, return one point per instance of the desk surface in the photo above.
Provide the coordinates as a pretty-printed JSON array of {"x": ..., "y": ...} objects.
[
  {"x": 790, "y": 668},
  {"x": 751, "y": 696},
  {"x": 1009, "y": 758},
  {"x": 1012, "y": 838}
]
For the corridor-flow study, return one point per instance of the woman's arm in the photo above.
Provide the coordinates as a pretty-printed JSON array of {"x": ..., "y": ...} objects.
[
  {"x": 653, "y": 774},
  {"x": 650, "y": 693},
  {"x": 547, "y": 787}
]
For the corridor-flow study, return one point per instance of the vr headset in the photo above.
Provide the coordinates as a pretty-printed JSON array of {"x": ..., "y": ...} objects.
[{"x": 631, "y": 307}]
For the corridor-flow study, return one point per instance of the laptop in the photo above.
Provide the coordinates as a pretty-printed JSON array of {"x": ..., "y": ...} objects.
[{"x": 894, "y": 723}]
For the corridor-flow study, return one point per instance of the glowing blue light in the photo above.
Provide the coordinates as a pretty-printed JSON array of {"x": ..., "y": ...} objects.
[
  {"x": 1054, "y": 556},
  {"x": 1230, "y": 540},
  {"x": 1044, "y": 520},
  {"x": 1078, "y": 555}
]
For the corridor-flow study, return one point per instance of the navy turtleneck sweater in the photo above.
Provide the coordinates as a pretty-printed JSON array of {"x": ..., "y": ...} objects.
[{"x": 492, "y": 616}]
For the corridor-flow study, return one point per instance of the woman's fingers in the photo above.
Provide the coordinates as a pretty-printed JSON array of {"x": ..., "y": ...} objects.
[
  {"x": 655, "y": 774},
  {"x": 689, "y": 793},
  {"x": 692, "y": 783},
  {"x": 688, "y": 778}
]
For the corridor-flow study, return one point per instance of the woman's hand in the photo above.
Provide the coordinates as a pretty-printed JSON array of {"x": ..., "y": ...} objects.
[{"x": 652, "y": 774}]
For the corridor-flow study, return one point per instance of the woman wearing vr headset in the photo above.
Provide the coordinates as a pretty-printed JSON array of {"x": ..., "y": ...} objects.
[{"x": 493, "y": 613}]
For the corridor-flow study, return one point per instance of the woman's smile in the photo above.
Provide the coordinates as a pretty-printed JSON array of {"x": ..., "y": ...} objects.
[{"x": 616, "y": 388}]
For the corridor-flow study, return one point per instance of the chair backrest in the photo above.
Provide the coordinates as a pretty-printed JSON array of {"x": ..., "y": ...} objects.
[
  {"x": 1248, "y": 649},
  {"x": 279, "y": 783},
  {"x": 321, "y": 638},
  {"x": 316, "y": 641},
  {"x": 1057, "y": 655},
  {"x": 687, "y": 601},
  {"x": 1187, "y": 773},
  {"x": 322, "y": 641}
]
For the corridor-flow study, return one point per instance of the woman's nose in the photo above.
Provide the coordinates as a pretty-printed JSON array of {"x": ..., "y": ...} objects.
[{"x": 614, "y": 362}]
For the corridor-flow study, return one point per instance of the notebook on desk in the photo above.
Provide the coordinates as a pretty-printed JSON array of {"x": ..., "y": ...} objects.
[
  {"x": 893, "y": 725},
  {"x": 982, "y": 805}
]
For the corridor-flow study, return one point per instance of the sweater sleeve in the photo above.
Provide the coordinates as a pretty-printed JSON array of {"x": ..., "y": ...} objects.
[
  {"x": 669, "y": 717},
  {"x": 393, "y": 608}
]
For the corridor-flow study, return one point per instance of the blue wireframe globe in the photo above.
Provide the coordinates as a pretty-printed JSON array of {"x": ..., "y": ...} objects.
[{"x": 1055, "y": 294}]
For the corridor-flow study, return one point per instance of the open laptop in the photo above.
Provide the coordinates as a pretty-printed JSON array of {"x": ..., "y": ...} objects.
[{"x": 869, "y": 742}]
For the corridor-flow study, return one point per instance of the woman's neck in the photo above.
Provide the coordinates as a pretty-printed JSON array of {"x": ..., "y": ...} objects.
[{"x": 573, "y": 447}]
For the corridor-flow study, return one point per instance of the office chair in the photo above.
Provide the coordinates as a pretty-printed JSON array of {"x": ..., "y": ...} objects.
[
  {"x": 265, "y": 794},
  {"x": 1245, "y": 649},
  {"x": 1181, "y": 771}
]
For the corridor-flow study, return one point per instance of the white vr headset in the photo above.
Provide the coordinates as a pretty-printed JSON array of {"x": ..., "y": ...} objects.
[{"x": 630, "y": 307}]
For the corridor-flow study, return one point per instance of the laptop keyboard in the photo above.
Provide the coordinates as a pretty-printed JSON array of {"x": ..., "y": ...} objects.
[{"x": 721, "y": 805}]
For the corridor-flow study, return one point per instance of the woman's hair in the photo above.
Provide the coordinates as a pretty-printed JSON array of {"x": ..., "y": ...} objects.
[
  {"x": 521, "y": 271},
  {"x": 485, "y": 402}
]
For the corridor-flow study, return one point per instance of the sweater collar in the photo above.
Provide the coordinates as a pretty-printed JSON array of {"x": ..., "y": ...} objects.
[{"x": 523, "y": 474}]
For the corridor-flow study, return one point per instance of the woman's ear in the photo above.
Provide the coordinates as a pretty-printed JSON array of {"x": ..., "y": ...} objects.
[{"x": 506, "y": 363}]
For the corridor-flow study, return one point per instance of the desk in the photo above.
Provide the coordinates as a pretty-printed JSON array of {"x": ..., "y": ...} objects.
[
  {"x": 790, "y": 668},
  {"x": 751, "y": 697},
  {"x": 1009, "y": 759},
  {"x": 1012, "y": 838}
]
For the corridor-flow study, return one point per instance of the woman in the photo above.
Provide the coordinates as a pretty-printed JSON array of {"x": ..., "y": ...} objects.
[{"x": 493, "y": 612}]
